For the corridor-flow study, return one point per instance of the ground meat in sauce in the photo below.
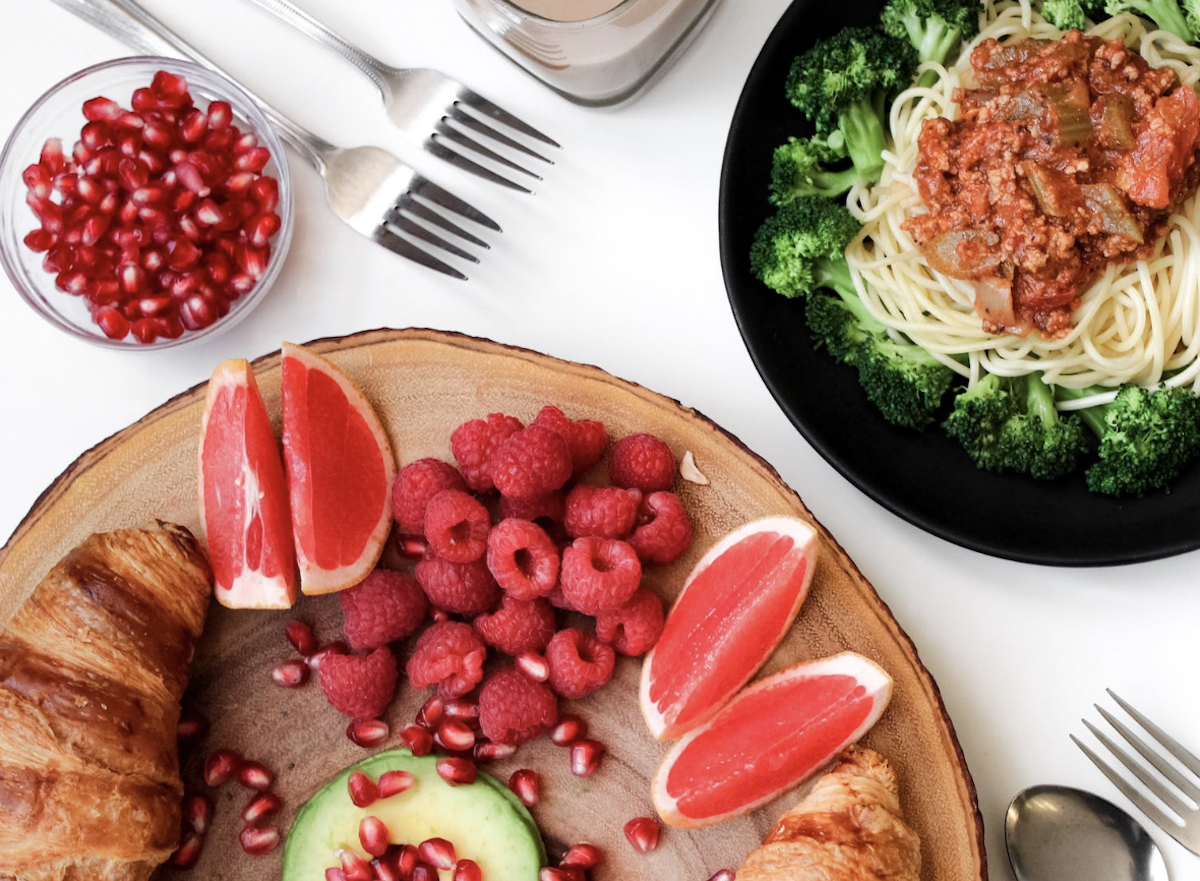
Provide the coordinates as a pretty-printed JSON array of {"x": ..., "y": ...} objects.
[{"x": 1067, "y": 156}]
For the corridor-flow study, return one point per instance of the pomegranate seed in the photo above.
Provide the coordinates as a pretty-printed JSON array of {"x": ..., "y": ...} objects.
[
  {"x": 461, "y": 708},
  {"x": 723, "y": 875},
  {"x": 260, "y": 229},
  {"x": 39, "y": 240},
  {"x": 418, "y": 739},
  {"x": 642, "y": 833},
  {"x": 335, "y": 873},
  {"x": 289, "y": 674},
  {"x": 192, "y": 726},
  {"x": 406, "y": 860},
  {"x": 188, "y": 852},
  {"x": 255, "y": 775},
  {"x": 209, "y": 213},
  {"x": 265, "y": 192},
  {"x": 373, "y": 836},
  {"x": 383, "y": 870},
  {"x": 411, "y": 547},
  {"x": 456, "y": 771},
  {"x": 395, "y": 782},
  {"x": 533, "y": 665},
  {"x": 243, "y": 284},
  {"x": 355, "y": 867},
  {"x": 430, "y": 714},
  {"x": 52, "y": 158},
  {"x": 246, "y": 141},
  {"x": 585, "y": 757},
  {"x": 300, "y": 633},
  {"x": 220, "y": 766},
  {"x": 265, "y": 804},
  {"x": 196, "y": 312},
  {"x": 364, "y": 792},
  {"x": 193, "y": 126},
  {"x": 113, "y": 323},
  {"x": 182, "y": 254},
  {"x": 423, "y": 872},
  {"x": 190, "y": 179},
  {"x": 169, "y": 89},
  {"x": 467, "y": 870},
  {"x": 197, "y": 809},
  {"x": 438, "y": 852},
  {"x": 220, "y": 115},
  {"x": 239, "y": 183},
  {"x": 151, "y": 307},
  {"x": 96, "y": 109},
  {"x": 258, "y": 841},
  {"x": 368, "y": 733},
  {"x": 584, "y": 855},
  {"x": 95, "y": 136},
  {"x": 334, "y": 648},
  {"x": 455, "y": 735},
  {"x": 37, "y": 181},
  {"x": 562, "y": 873},
  {"x": 569, "y": 729},
  {"x": 489, "y": 751},
  {"x": 526, "y": 785}
]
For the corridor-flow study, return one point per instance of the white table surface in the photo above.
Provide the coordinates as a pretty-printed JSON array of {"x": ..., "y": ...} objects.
[{"x": 614, "y": 262}]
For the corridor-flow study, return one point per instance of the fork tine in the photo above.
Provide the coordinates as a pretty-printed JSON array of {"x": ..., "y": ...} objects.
[
  {"x": 442, "y": 130},
  {"x": 1157, "y": 789},
  {"x": 427, "y": 189},
  {"x": 440, "y": 150},
  {"x": 424, "y": 212},
  {"x": 1185, "y": 786},
  {"x": 1167, "y": 823},
  {"x": 487, "y": 108},
  {"x": 476, "y": 124},
  {"x": 408, "y": 226},
  {"x": 1173, "y": 746},
  {"x": 407, "y": 249}
]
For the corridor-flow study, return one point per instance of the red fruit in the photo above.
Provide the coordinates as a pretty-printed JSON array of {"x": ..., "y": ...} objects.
[
  {"x": 384, "y": 607},
  {"x": 188, "y": 853},
  {"x": 584, "y": 855},
  {"x": 191, "y": 728},
  {"x": 417, "y": 483},
  {"x": 437, "y": 852},
  {"x": 599, "y": 574},
  {"x": 255, "y": 775},
  {"x": 602, "y": 511},
  {"x": 642, "y": 833},
  {"x": 533, "y": 665},
  {"x": 263, "y": 805},
  {"x": 569, "y": 729},
  {"x": 290, "y": 674},
  {"x": 460, "y": 588},
  {"x": 633, "y": 627},
  {"x": 518, "y": 626},
  {"x": 220, "y": 766},
  {"x": 546, "y": 508},
  {"x": 301, "y": 636},
  {"x": 486, "y": 751},
  {"x": 473, "y": 443},
  {"x": 526, "y": 785},
  {"x": 586, "y": 438},
  {"x": 197, "y": 810},
  {"x": 364, "y": 792},
  {"x": 530, "y": 462},
  {"x": 642, "y": 461},
  {"x": 514, "y": 708},
  {"x": 456, "y": 771},
  {"x": 334, "y": 648},
  {"x": 457, "y": 526},
  {"x": 394, "y": 782},
  {"x": 354, "y": 866},
  {"x": 450, "y": 655},
  {"x": 522, "y": 558},
  {"x": 585, "y": 756},
  {"x": 454, "y": 735},
  {"x": 417, "y": 738},
  {"x": 663, "y": 532},
  {"x": 579, "y": 663},
  {"x": 467, "y": 870},
  {"x": 367, "y": 733},
  {"x": 373, "y": 836},
  {"x": 359, "y": 686},
  {"x": 258, "y": 841}
]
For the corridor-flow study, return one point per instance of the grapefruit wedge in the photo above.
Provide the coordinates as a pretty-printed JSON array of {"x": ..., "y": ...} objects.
[
  {"x": 340, "y": 468},
  {"x": 738, "y": 602},
  {"x": 771, "y": 737},
  {"x": 243, "y": 495}
]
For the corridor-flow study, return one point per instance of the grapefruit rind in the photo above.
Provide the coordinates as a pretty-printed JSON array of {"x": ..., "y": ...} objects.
[
  {"x": 315, "y": 578},
  {"x": 870, "y": 676},
  {"x": 663, "y": 721},
  {"x": 263, "y": 498}
]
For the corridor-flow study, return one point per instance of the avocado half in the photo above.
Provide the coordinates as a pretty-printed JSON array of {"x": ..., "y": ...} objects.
[{"x": 484, "y": 821}]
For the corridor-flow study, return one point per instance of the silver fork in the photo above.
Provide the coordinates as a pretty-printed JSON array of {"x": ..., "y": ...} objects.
[
  {"x": 368, "y": 188},
  {"x": 428, "y": 106},
  {"x": 1181, "y": 798}
]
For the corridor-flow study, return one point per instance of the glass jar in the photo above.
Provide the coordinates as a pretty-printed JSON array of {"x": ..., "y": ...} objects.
[{"x": 593, "y": 52}]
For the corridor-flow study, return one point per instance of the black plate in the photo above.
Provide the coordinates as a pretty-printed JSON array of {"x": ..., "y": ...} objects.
[{"x": 924, "y": 477}]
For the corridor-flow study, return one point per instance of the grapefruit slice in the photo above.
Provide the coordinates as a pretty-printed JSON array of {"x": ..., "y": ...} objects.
[
  {"x": 243, "y": 495},
  {"x": 738, "y": 602},
  {"x": 340, "y": 469},
  {"x": 771, "y": 737}
]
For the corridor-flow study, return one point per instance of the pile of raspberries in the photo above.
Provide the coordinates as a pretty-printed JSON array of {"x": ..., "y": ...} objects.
[{"x": 512, "y": 543}]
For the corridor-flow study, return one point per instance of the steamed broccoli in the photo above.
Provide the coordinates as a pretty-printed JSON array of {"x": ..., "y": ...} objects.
[
  {"x": 1180, "y": 17},
  {"x": 843, "y": 83},
  {"x": 805, "y": 167},
  {"x": 1147, "y": 436},
  {"x": 1072, "y": 14},
  {"x": 934, "y": 27},
  {"x": 1010, "y": 423},
  {"x": 803, "y": 245}
]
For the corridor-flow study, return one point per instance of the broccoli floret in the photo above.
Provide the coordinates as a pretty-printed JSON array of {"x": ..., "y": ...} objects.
[
  {"x": 801, "y": 167},
  {"x": 1072, "y": 14},
  {"x": 1147, "y": 436},
  {"x": 803, "y": 245},
  {"x": 1010, "y": 423},
  {"x": 1180, "y": 17},
  {"x": 934, "y": 27},
  {"x": 843, "y": 83}
]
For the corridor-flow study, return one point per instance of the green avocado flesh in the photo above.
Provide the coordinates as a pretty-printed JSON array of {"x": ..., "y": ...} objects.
[{"x": 484, "y": 821}]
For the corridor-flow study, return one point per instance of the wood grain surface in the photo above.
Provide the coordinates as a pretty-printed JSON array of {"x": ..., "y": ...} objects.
[{"x": 425, "y": 383}]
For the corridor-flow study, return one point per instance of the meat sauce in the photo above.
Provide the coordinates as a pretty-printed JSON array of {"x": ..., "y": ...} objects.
[{"x": 1067, "y": 156}]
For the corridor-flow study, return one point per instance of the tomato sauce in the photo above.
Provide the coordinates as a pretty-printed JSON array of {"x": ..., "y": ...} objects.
[{"x": 1067, "y": 156}]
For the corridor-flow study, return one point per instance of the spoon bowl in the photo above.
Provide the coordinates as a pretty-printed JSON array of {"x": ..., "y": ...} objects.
[{"x": 1057, "y": 833}]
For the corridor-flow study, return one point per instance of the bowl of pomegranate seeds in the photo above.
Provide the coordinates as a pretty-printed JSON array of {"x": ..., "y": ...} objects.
[{"x": 144, "y": 203}]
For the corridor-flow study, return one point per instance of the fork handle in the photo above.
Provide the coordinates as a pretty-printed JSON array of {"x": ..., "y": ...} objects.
[{"x": 137, "y": 28}]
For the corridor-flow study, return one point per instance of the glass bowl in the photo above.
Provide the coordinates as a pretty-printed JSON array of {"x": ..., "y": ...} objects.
[{"x": 193, "y": 291}]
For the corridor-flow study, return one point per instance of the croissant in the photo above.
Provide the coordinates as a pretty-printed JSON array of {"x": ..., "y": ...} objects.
[
  {"x": 848, "y": 828},
  {"x": 92, "y": 667}
]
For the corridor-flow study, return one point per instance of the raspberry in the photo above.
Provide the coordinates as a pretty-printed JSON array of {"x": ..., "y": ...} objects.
[
  {"x": 359, "y": 686},
  {"x": 604, "y": 511},
  {"x": 473, "y": 443},
  {"x": 513, "y": 708},
  {"x": 586, "y": 438},
  {"x": 664, "y": 532},
  {"x": 599, "y": 574},
  {"x": 634, "y": 627},
  {"x": 384, "y": 607},
  {"x": 522, "y": 558},
  {"x": 460, "y": 588},
  {"x": 457, "y": 525},
  {"x": 547, "y": 507},
  {"x": 518, "y": 626},
  {"x": 579, "y": 663},
  {"x": 642, "y": 461},
  {"x": 530, "y": 462},
  {"x": 450, "y": 655},
  {"x": 415, "y": 485}
]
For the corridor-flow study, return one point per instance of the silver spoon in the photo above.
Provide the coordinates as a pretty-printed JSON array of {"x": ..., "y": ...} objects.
[{"x": 1056, "y": 833}]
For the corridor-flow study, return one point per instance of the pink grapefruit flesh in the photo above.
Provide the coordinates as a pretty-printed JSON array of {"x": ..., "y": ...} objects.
[
  {"x": 771, "y": 737},
  {"x": 340, "y": 468},
  {"x": 243, "y": 495},
  {"x": 736, "y": 605}
]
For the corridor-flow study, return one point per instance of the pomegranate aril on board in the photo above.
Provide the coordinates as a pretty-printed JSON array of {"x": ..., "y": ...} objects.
[
  {"x": 526, "y": 785},
  {"x": 454, "y": 735},
  {"x": 490, "y": 751},
  {"x": 255, "y": 775},
  {"x": 456, "y": 771},
  {"x": 300, "y": 635},
  {"x": 417, "y": 738},
  {"x": 368, "y": 733},
  {"x": 188, "y": 853},
  {"x": 585, "y": 757},
  {"x": 258, "y": 841},
  {"x": 197, "y": 811},
  {"x": 584, "y": 855},
  {"x": 263, "y": 805},
  {"x": 290, "y": 674},
  {"x": 568, "y": 729},
  {"x": 220, "y": 766},
  {"x": 643, "y": 833}
]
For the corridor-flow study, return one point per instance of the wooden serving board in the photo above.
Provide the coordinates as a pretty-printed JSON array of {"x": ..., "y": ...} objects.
[{"x": 425, "y": 383}]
